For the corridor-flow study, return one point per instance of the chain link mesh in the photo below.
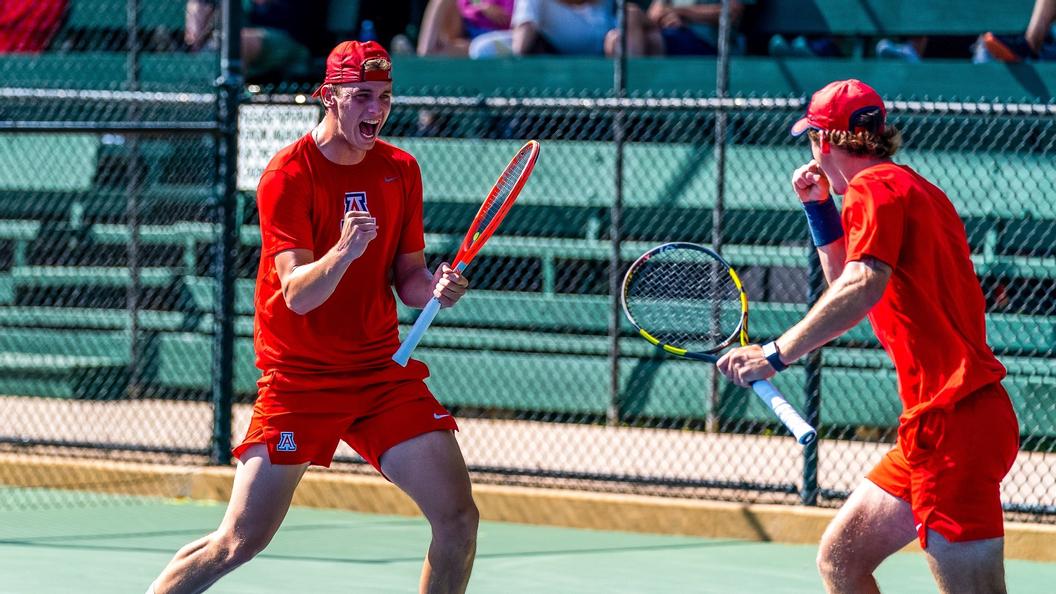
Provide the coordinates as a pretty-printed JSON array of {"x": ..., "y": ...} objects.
[{"x": 108, "y": 232}]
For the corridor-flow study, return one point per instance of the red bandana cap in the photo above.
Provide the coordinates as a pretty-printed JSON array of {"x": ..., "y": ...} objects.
[
  {"x": 354, "y": 61},
  {"x": 839, "y": 106}
]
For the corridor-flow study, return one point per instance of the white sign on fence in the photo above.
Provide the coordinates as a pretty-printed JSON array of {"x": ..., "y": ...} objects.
[{"x": 265, "y": 129}]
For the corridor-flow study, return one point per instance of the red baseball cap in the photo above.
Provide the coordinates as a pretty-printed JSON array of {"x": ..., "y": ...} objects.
[
  {"x": 840, "y": 105},
  {"x": 354, "y": 61}
]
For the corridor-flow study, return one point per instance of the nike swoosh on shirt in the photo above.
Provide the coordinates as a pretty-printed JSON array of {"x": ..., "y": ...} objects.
[
  {"x": 438, "y": 417},
  {"x": 391, "y": 179}
]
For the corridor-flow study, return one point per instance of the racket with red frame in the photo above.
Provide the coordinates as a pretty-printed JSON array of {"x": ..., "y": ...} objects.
[{"x": 492, "y": 211}]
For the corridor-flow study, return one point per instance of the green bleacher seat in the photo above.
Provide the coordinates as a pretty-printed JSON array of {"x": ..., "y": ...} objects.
[
  {"x": 58, "y": 162},
  {"x": 81, "y": 318},
  {"x": 112, "y": 14},
  {"x": 890, "y": 17},
  {"x": 20, "y": 234},
  {"x": 671, "y": 175},
  {"x": 63, "y": 364},
  {"x": 93, "y": 276},
  {"x": 750, "y": 76},
  {"x": 192, "y": 73}
]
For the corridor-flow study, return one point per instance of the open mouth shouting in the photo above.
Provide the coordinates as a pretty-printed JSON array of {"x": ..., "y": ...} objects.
[{"x": 368, "y": 129}]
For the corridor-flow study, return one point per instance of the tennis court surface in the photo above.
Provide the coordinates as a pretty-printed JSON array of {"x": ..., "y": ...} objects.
[{"x": 117, "y": 544}]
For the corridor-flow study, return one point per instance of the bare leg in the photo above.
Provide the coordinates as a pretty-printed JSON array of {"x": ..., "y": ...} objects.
[
  {"x": 260, "y": 498},
  {"x": 871, "y": 526},
  {"x": 442, "y": 31},
  {"x": 431, "y": 470},
  {"x": 974, "y": 567},
  {"x": 1040, "y": 21},
  {"x": 637, "y": 34}
]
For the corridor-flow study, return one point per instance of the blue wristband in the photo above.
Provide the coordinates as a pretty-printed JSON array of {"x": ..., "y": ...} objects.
[
  {"x": 774, "y": 356},
  {"x": 824, "y": 221}
]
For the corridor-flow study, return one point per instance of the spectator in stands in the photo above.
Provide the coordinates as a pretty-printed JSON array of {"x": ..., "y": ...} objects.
[
  {"x": 278, "y": 37},
  {"x": 450, "y": 25},
  {"x": 1035, "y": 43},
  {"x": 395, "y": 23},
  {"x": 27, "y": 26},
  {"x": 686, "y": 27},
  {"x": 909, "y": 50},
  {"x": 570, "y": 27}
]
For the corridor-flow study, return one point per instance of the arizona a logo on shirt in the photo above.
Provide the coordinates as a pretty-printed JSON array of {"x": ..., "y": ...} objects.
[{"x": 354, "y": 201}]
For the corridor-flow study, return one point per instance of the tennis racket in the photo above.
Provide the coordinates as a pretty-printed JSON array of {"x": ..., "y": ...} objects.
[
  {"x": 687, "y": 300},
  {"x": 491, "y": 213}
]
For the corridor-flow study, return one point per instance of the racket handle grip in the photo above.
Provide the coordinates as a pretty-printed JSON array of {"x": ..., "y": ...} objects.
[
  {"x": 805, "y": 434},
  {"x": 415, "y": 335}
]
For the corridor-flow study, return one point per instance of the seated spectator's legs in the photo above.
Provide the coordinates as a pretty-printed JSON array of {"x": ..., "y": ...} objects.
[
  {"x": 1031, "y": 45},
  {"x": 267, "y": 51},
  {"x": 27, "y": 26},
  {"x": 643, "y": 37},
  {"x": 910, "y": 50},
  {"x": 1040, "y": 21},
  {"x": 442, "y": 31},
  {"x": 198, "y": 23},
  {"x": 494, "y": 44},
  {"x": 682, "y": 41}
]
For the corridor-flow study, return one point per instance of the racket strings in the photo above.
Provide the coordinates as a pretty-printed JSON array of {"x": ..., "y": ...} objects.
[
  {"x": 686, "y": 300},
  {"x": 503, "y": 190}
]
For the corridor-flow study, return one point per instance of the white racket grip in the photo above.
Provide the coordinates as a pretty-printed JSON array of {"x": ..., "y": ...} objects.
[
  {"x": 804, "y": 433},
  {"x": 415, "y": 335}
]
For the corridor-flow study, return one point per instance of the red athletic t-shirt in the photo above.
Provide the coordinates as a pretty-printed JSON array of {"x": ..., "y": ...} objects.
[
  {"x": 27, "y": 26},
  {"x": 302, "y": 197},
  {"x": 930, "y": 319}
]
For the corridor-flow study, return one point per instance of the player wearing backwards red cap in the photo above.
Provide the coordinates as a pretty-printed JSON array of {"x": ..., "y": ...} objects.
[
  {"x": 900, "y": 257},
  {"x": 341, "y": 222}
]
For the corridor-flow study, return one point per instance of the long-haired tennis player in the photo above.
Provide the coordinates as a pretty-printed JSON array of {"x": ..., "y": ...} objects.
[
  {"x": 900, "y": 256},
  {"x": 341, "y": 222}
]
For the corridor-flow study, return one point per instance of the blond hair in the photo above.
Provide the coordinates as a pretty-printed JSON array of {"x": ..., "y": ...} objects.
[{"x": 862, "y": 143}]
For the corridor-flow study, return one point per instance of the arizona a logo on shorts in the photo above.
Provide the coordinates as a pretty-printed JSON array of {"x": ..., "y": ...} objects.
[{"x": 286, "y": 443}]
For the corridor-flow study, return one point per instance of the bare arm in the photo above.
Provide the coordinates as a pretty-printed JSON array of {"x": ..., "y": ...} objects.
[
  {"x": 708, "y": 13},
  {"x": 833, "y": 257},
  {"x": 846, "y": 302},
  {"x": 307, "y": 283},
  {"x": 415, "y": 285}
]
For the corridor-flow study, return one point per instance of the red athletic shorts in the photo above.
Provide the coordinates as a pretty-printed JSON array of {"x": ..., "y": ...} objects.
[
  {"x": 948, "y": 464},
  {"x": 301, "y": 418}
]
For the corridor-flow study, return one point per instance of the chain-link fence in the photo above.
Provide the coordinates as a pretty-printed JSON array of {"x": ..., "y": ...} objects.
[{"x": 111, "y": 228}]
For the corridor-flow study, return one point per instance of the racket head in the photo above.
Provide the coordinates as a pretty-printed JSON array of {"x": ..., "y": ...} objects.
[
  {"x": 501, "y": 197},
  {"x": 686, "y": 299}
]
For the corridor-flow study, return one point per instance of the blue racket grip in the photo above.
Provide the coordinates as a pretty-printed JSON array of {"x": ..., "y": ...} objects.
[
  {"x": 417, "y": 331},
  {"x": 805, "y": 434}
]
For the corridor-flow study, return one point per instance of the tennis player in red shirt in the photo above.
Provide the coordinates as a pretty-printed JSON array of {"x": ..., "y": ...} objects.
[
  {"x": 900, "y": 256},
  {"x": 341, "y": 224}
]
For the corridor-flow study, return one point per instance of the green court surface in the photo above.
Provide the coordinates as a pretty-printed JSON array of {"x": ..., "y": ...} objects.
[{"x": 116, "y": 545}]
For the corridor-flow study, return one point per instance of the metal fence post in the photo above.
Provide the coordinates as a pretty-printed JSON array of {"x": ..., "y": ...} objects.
[
  {"x": 133, "y": 183},
  {"x": 812, "y": 388},
  {"x": 722, "y": 78},
  {"x": 619, "y": 83},
  {"x": 229, "y": 86}
]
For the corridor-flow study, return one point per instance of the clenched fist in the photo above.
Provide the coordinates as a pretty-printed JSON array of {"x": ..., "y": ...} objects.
[
  {"x": 810, "y": 183},
  {"x": 358, "y": 228}
]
